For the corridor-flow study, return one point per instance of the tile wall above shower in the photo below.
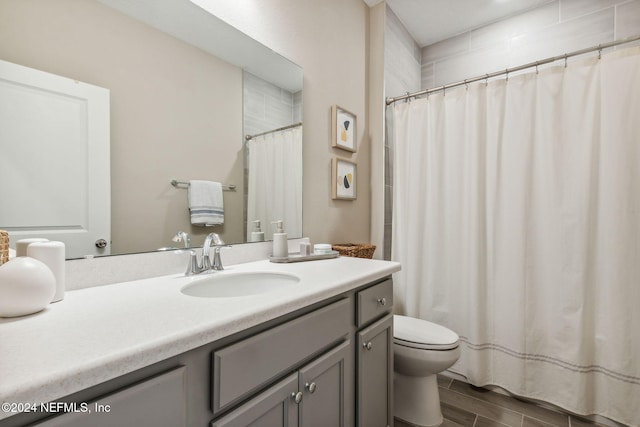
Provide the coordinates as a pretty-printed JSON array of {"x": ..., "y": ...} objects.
[{"x": 556, "y": 28}]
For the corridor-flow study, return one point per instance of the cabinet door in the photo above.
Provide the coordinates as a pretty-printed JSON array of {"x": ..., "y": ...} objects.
[
  {"x": 326, "y": 389},
  {"x": 375, "y": 374},
  {"x": 276, "y": 407}
]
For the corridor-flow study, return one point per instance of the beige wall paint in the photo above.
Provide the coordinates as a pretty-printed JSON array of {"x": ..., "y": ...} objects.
[
  {"x": 376, "y": 127},
  {"x": 328, "y": 39},
  {"x": 167, "y": 117}
]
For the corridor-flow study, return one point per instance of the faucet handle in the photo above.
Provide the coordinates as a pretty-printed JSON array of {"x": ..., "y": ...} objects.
[
  {"x": 192, "y": 266},
  {"x": 217, "y": 261},
  {"x": 206, "y": 261}
]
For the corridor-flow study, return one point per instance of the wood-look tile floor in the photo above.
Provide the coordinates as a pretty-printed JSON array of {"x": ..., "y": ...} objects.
[{"x": 464, "y": 405}]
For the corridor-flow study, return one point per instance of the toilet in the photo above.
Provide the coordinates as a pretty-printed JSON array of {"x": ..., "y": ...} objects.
[{"x": 421, "y": 349}]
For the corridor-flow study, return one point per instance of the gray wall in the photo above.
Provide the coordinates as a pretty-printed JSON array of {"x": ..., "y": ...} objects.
[
  {"x": 403, "y": 56},
  {"x": 402, "y": 68},
  {"x": 267, "y": 106},
  {"x": 556, "y": 28}
]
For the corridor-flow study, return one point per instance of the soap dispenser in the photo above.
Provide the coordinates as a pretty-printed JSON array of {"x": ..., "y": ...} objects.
[
  {"x": 280, "y": 244},
  {"x": 257, "y": 235}
]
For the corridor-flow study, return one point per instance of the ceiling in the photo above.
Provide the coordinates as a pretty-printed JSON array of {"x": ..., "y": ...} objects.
[{"x": 430, "y": 21}]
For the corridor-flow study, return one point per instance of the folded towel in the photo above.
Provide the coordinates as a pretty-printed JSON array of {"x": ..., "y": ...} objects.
[{"x": 205, "y": 203}]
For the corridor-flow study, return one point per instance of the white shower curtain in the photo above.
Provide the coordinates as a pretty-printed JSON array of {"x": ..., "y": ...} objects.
[
  {"x": 275, "y": 181},
  {"x": 517, "y": 223}
]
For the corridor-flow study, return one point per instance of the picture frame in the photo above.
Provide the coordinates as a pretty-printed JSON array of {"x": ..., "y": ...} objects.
[
  {"x": 343, "y": 129},
  {"x": 343, "y": 179}
]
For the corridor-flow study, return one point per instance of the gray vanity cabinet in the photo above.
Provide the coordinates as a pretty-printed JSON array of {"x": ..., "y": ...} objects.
[
  {"x": 315, "y": 395},
  {"x": 375, "y": 374},
  {"x": 158, "y": 401},
  {"x": 272, "y": 408},
  {"x": 328, "y": 364},
  {"x": 326, "y": 389},
  {"x": 243, "y": 368},
  {"x": 375, "y": 356}
]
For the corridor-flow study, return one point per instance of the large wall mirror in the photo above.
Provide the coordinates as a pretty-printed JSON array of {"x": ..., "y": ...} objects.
[{"x": 184, "y": 91}]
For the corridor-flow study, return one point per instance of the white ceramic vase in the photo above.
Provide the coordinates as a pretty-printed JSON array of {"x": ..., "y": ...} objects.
[{"x": 26, "y": 286}]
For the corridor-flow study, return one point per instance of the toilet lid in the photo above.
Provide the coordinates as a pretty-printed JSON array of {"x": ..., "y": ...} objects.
[{"x": 418, "y": 333}]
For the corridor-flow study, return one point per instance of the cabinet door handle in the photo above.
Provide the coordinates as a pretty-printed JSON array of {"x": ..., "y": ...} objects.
[
  {"x": 311, "y": 387},
  {"x": 367, "y": 345},
  {"x": 382, "y": 301},
  {"x": 296, "y": 397}
]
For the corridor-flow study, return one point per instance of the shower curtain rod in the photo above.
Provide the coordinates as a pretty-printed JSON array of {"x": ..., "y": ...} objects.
[
  {"x": 249, "y": 137},
  {"x": 599, "y": 48}
]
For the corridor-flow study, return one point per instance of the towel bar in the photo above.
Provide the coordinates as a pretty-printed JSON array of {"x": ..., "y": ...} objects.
[{"x": 227, "y": 187}]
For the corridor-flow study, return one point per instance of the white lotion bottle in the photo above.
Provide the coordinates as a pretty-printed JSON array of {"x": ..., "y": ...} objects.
[
  {"x": 257, "y": 235},
  {"x": 280, "y": 244}
]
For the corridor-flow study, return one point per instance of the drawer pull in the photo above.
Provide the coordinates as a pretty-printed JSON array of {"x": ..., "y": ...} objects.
[
  {"x": 296, "y": 397},
  {"x": 311, "y": 387},
  {"x": 367, "y": 345},
  {"x": 382, "y": 301}
]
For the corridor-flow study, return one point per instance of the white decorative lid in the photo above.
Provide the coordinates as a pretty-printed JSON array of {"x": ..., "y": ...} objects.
[{"x": 418, "y": 333}]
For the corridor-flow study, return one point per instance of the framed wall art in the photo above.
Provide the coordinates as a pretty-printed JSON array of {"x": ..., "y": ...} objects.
[
  {"x": 343, "y": 129},
  {"x": 343, "y": 179}
]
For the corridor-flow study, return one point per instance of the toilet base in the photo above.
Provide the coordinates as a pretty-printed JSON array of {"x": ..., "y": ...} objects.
[{"x": 417, "y": 400}]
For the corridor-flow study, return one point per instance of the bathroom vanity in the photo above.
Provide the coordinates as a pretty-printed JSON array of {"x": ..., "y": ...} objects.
[{"x": 142, "y": 353}]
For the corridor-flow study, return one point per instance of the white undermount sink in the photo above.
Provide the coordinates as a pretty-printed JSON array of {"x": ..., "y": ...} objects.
[{"x": 238, "y": 284}]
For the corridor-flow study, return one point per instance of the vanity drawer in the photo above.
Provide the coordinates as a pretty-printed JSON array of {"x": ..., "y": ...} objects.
[
  {"x": 246, "y": 366},
  {"x": 158, "y": 401},
  {"x": 373, "y": 302}
]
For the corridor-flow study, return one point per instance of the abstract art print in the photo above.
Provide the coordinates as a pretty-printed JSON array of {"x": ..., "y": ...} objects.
[
  {"x": 343, "y": 133},
  {"x": 343, "y": 179}
]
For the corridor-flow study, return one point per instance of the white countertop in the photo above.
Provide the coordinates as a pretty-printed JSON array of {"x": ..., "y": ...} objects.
[{"x": 99, "y": 333}]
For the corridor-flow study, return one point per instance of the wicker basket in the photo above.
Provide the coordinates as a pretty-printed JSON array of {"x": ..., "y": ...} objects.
[
  {"x": 4, "y": 247},
  {"x": 357, "y": 250}
]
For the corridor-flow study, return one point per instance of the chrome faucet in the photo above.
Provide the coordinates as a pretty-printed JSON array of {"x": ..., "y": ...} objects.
[
  {"x": 217, "y": 242},
  {"x": 196, "y": 268}
]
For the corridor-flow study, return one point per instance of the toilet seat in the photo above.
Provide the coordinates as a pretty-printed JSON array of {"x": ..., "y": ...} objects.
[{"x": 421, "y": 334}]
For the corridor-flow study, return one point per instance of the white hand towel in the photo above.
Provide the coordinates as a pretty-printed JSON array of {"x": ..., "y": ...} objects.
[{"x": 205, "y": 203}]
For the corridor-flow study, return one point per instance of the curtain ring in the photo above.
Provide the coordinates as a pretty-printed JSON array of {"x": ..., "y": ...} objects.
[
  {"x": 444, "y": 91},
  {"x": 537, "y": 71},
  {"x": 466, "y": 85},
  {"x": 486, "y": 79},
  {"x": 408, "y": 98},
  {"x": 599, "y": 52},
  {"x": 565, "y": 60},
  {"x": 506, "y": 71}
]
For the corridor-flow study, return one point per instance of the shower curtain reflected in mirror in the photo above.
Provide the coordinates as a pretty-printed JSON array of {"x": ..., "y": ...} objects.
[
  {"x": 517, "y": 222},
  {"x": 275, "y": 181}
]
